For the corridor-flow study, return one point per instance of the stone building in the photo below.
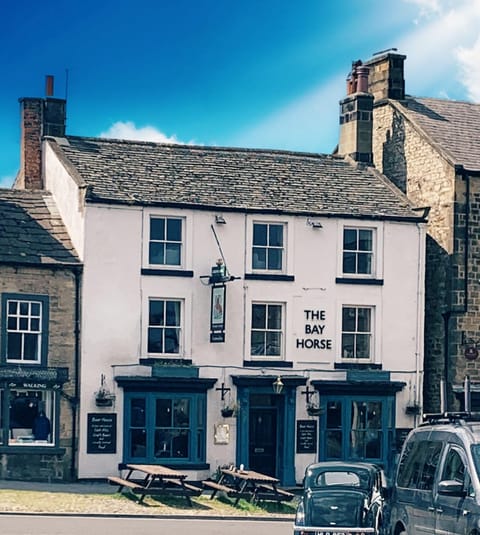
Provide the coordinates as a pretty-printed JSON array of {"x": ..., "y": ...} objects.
[
  {"x": 430, "y": 149},
  {"x": 39, "y": 345}
]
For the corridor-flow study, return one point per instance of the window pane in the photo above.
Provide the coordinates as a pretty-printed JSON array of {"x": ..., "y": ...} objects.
[
  {"x": 163, "y": 412},
  {"x": 12, "y": 307},
  {"x": 275, "y": 258},
  {"x": 138, "y": 442},
  {"x": 274, "y": 317},
  {"x": 257, "y": 343},
  {"x": 334, "y": 444},
  {"x": 350, "y": 239},
  {"x": 14, "y": 346},
  {"x": 23, "y": 309},
  {"x": 35, "y": 309},
  {"x": 30, "y": 347},
  {"x": 156, "y": 316},
  {"x": 348, "y": 319},
  {"x": 349, "y": 262},
  {"x": 348, "y": 346},
  {"x": 181, "y": 413},
  {"x": 24, "y": 324},
  {"x": 171, "y": 341},
  {"x": 259, "y": 316},
  {"x": 259, "y": 259},
  {"x": 365, "y": 240},
  {"x": 259, "y": 234},
  {"x": 180, "y": 443},
  {"x": 32, "y": 417},
  {"x": 12, "y": 324},
  {"x": 273, "y": 343},
  {"x": 363, "y": 346},
  {"x": 35, "y": 325},
  {"x": 334, "y": 415},
  {"x": 172, "y": 254},
  {"x": 364, "y": 263},
  {"x": 276, "y": 235},
  {"x": 174, "y": 229},
  {"x": 155, "y": 340},
  {"x": 173, "y": 313},
  {"x": 137, "y": 412},
  {"x": 364, "y": 320},
  {"x": 157, "y": 229},
  {"x": 156, "y": 253}
]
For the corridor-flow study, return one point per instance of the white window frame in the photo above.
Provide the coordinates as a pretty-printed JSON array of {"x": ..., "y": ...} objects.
[
  {"x": 164, "y": 241},
  {"x": 357, "y": 252},
  {"x": 371, "y": 334},
  {"x": 282, "y": 306},
  {"x": 29, "y": 318},
  {"x": 180, "y": 327},
  {"x": 268, "y": 247}
]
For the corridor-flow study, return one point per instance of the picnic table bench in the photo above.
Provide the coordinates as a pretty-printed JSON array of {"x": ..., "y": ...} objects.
[
  {"x": 157, "y": 481},
  {"x": 247, "y": 484}
]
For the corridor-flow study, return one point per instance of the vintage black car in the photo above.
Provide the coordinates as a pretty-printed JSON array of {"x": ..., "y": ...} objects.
[{"x": 341, "y": 498}]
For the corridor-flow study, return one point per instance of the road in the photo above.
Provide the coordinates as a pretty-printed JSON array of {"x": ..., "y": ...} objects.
[{"x": 71, "y": 525}]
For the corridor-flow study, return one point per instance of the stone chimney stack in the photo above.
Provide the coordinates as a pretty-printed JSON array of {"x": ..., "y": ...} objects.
[
  {"x": 39, "y": 117},
  {"x": 356, "y": 118},
  {"x": 386, "y": 75}
]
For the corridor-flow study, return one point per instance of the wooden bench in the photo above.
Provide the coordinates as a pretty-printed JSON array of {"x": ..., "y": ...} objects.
[
  {"x": 271, "y": 493},
  {"x": 229, "y": 491},
  {"x": 134, "y": 485},
  {"x": 184, "y": 488}
]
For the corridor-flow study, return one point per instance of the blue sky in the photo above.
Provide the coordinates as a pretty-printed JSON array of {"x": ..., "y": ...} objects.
[{"x": 255, "y": 73}]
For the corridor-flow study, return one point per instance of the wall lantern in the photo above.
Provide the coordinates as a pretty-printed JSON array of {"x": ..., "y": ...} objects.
[
  {"x": 314, "y": 223},
  {"x": 220, "y": 220},
  {"x": 277, "y": 385}
]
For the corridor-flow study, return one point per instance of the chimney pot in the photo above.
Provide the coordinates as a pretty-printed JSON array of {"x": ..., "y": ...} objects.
[{"x": 49, "y": 85}]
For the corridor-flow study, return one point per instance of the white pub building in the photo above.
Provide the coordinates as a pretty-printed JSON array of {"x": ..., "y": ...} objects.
[{"x": 238, "y": 306}]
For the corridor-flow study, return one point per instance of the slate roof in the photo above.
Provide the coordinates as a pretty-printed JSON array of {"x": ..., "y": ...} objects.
[
  {"x": 134, "y": 172},
  {"x": 453, "y": 125},
  {"x": 31, "y": 230}
]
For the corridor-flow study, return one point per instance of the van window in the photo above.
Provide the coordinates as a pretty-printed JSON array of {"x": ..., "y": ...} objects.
[
  {"x": 454, "y": 467},
  {"x": 418, "y": 464}
]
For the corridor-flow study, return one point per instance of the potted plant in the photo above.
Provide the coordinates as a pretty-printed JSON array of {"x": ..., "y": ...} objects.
[{"x": 229, "y": 410}]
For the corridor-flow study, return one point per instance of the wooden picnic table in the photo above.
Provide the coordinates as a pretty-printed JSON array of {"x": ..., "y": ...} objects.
[
  {"x": 155, "y": 480},
  {"x": 248, "y": 484}
]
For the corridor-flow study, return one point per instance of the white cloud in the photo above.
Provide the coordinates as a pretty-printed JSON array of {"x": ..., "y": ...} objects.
[
  {"x": 128, "y": 130},
  {"x": 469, "y": 59}
]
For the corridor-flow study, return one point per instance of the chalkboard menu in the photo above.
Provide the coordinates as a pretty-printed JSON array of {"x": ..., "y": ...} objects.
[
  {"x": 102, "y": 433},
  {"x": 306, "y": 436}
]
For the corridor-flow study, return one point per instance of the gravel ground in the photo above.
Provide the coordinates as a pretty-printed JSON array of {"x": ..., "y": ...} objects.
[{"x": 28, "y": 501}]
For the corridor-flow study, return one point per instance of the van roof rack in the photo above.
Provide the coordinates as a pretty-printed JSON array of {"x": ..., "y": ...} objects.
[{"x": 449, "y": 417}]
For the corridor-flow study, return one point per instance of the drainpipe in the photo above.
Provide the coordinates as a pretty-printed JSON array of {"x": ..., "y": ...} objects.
[{"x": 76, "y": 399}]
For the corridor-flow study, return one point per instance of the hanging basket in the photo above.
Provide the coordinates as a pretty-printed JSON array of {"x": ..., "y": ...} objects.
[
  {"x": 312, "y": 410},
  {"x": 228, "y": 412}
]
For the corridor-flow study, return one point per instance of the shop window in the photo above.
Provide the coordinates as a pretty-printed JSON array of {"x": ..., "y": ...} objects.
[
  {"x": 165, "y": 428},
  {"x": 24, "y": 328},
  {"x": 30, "y": 417}
]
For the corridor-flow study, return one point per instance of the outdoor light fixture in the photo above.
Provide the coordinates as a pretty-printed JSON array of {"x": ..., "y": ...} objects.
[
  {"x": 220, "y": 220},
  {"x": 277, "y": 385},
  {"x": 314, "y": 223}
]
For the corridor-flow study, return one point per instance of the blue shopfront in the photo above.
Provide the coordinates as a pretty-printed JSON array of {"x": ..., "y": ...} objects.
[{"x": 357, "y": 420}]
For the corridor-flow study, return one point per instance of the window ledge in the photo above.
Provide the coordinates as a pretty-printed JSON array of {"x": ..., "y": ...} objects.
[
  {"x": 354, "y": 280},
  {"x": 32, "y": 450},
  {"x": 187, "y": 465},
  {"x": 357, "y": 366},
  {"x": 266, "y": 363},
  {"x": 269, "y": 277},
  {"x": 167, "y": 272}
]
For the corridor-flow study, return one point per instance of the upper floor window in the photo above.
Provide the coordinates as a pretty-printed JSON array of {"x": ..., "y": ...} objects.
[
  {"x": 164, "y": 326},
  {"x": 356, "y": 332},
  {"x": 358, "y": 251},
  {"x": 267, "y": 330},
  {"x": 24, "y": 328},
  {"x": 165, "y": 246},
  {"x": 268, "y": 246}
]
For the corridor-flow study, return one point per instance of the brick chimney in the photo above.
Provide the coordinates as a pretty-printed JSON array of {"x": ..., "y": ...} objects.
[
  {"x": 39, "y": 117},
  {"x": 356, "y": 118},
  {"x": 386, "y": 75}
]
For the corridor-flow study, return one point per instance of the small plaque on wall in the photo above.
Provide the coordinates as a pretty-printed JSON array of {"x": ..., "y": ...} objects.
[
  {"x": 102, "y": 433},
  {"x": 306, "y": 436}
]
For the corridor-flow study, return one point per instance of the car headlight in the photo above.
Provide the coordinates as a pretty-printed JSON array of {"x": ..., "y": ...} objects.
[{"x": 300, "y": 515}]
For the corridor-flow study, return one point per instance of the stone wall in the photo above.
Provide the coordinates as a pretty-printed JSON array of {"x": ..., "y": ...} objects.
[{"x": 59, "y": 285}]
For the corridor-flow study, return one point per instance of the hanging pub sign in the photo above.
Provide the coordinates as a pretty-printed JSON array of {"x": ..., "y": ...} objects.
[{"x": 217, "y": 313}]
